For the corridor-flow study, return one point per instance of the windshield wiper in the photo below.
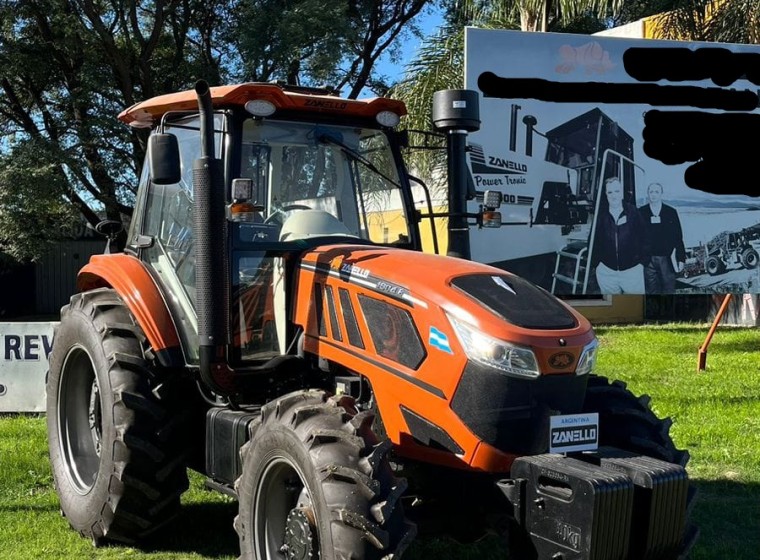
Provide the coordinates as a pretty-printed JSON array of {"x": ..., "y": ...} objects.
[{"x": 327, "y": 138}]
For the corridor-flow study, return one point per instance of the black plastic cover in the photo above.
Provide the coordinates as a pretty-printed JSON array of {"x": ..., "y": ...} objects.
[
  {"x": 226, "y": 433},
  {"x": 427, "y": 433},
  {"x": 517, "y": 301},
  {"x": 456, "y": 109},
  {"x": 513, "y": 414},
  {"x": 393, "y": 332}
]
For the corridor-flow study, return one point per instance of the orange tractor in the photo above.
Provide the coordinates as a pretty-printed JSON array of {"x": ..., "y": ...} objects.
[{"x": 273, "y": 324}]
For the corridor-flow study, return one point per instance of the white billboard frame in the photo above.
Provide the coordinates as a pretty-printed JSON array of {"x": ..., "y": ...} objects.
[{"x": 719, "y": 249}]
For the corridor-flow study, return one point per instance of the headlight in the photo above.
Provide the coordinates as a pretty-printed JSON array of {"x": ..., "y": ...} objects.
[
  {"x": 588, "y": 358},
  {"x": 260, "y": 107},
  {"x": 509, "y": 358}
]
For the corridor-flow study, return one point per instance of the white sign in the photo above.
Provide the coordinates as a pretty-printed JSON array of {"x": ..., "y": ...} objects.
[
  {"x": 625, "y": 164},
  {"x": 24, "y": 351},
  {"x": 574, "y": 432}
]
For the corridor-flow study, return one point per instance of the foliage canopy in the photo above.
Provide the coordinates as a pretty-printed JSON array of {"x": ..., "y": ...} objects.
[{"x": 70, "y": 66}]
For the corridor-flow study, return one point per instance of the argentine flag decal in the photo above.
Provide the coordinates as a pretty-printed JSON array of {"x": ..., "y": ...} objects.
[{"x": 439, "y": 340}]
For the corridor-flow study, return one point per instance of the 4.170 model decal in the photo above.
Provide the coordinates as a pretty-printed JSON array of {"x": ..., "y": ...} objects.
[{"x": 357, "y": 275}]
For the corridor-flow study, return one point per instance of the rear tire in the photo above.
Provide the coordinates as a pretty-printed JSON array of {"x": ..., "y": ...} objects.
[
  {"x": 317, "y": 484},
  {"x": 115, "y": 436},
  {"x": 627, "y": 422}
]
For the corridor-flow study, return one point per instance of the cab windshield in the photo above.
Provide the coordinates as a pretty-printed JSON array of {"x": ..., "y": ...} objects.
[{"x": 348, "y": 173}]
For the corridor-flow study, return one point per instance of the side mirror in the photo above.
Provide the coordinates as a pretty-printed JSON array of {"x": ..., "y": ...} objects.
[
  {"x": 163, "y": 155},
  {"x": 110, "y": 229}
]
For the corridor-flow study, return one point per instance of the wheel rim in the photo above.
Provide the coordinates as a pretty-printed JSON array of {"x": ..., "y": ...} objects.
[
  {"x": 80, "y": 420},
  {"x": 283, "y": 515}
]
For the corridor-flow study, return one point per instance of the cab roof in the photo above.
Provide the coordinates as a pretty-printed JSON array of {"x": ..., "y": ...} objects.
[{"x": 148, "y": 113}]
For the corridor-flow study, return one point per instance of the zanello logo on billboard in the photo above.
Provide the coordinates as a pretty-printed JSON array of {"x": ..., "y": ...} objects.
[
  {"x": 512, "y": 172},
  {"x": 24, "y": 352},
  {"x": 495, "y": 173}
]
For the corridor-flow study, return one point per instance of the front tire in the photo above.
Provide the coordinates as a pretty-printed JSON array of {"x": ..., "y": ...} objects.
[
  {"x": 317, "y": 484},
  {"x": 115, "y": 439},
  {"x": 750, "y": 258},
  {"x": 714, "y": 266}
]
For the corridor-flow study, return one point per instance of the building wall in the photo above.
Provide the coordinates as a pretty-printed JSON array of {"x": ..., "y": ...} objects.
[
  {"x": 56, "y": 273},
  {"x": 616, "y": 309}
]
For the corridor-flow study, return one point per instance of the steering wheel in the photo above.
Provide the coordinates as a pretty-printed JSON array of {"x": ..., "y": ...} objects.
[{"x": 281, "y": 212}]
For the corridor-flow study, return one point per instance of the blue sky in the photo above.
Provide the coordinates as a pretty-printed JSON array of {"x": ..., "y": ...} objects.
[{"x": 428, "y": 22}]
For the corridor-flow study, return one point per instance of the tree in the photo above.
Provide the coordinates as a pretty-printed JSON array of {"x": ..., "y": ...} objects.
[
  {"x": 536, "y": 15},
  {"x": 331, "y": 42},
  {"x": 70, "y": 66},
  {"x": 439, "y": 63},
  {"x": 725, "y": 21}
]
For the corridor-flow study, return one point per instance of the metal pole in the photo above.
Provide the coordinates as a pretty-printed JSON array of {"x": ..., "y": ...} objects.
[{"x": 702, "y": 354}]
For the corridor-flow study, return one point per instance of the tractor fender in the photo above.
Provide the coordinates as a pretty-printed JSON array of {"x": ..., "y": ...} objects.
[{"x": 128, "y": 276}]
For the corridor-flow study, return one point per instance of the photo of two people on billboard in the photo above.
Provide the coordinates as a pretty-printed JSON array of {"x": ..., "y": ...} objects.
[{"x": 634, "y": 249}]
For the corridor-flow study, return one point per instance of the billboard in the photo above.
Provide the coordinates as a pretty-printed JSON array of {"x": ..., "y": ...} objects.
[
  {"x": 625, "y": 165},
  {"x": 24, "y": 351}
]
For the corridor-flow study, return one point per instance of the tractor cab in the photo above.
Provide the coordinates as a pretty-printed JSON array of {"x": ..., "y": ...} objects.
[{"x": 297, "y": 167}]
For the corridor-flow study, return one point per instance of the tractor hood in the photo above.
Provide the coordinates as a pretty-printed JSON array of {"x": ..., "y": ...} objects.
[
  {"x": 489, "y": 299},
  {"x": 478, "y": 356}
]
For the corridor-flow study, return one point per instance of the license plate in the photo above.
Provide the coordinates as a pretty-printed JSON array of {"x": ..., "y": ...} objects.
[{"x": 574, "y": 432}]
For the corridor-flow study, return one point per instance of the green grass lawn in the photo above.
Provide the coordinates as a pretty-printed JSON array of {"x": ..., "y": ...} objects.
[{"x": 716, "y": 417}]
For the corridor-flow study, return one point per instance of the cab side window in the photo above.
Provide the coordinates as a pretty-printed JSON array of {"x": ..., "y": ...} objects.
[{"x": 169, "y": 212}]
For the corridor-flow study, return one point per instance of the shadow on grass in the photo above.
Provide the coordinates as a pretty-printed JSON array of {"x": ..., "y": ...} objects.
[
  {"x": 726, "y": 513},
  {"x": 751, "y": 344},
  {"x": 201, "y": 528},
  {"x": 728, "y": 518},
  {"x": 17, "y": 508}
]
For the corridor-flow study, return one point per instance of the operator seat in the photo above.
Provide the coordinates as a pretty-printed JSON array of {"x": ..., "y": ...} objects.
[{"x": 304, "y": 224}]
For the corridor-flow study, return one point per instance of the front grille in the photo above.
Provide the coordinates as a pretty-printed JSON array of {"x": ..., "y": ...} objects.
[{"x": 513, "y": 414}]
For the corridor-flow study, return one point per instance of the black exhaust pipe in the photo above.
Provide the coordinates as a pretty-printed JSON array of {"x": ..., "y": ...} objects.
[{"x": 209, "y": 230}]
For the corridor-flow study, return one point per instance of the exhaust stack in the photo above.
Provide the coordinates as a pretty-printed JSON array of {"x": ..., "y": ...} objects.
[{"x": 212, "y": 282}]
